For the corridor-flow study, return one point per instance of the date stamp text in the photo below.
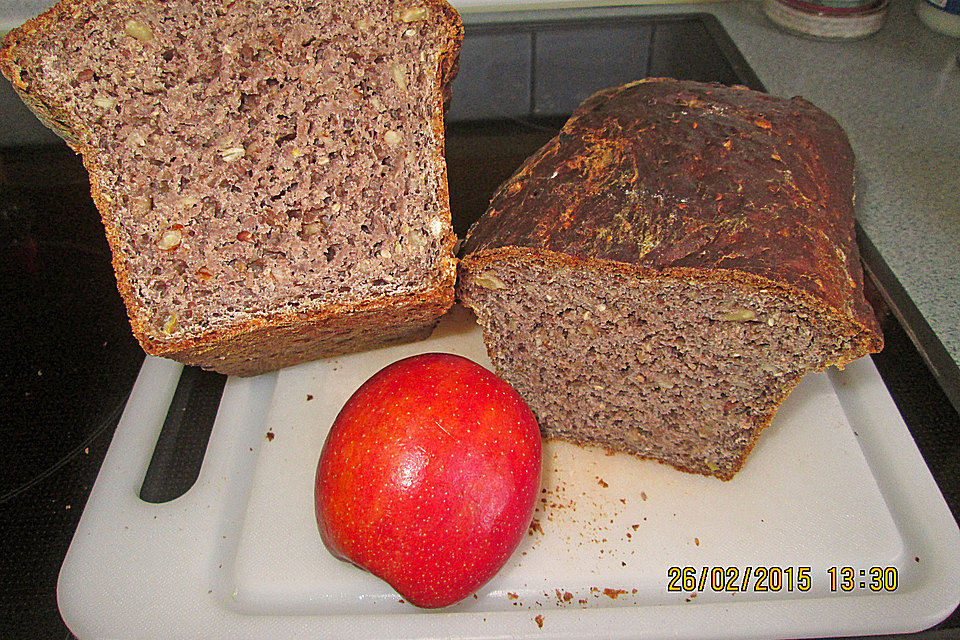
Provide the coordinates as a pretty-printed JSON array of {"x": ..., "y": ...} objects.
[{"x": 734, "y": 579}]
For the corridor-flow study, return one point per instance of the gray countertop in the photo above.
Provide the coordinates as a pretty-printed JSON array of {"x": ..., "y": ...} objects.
[{"x": 897, "y": 93}]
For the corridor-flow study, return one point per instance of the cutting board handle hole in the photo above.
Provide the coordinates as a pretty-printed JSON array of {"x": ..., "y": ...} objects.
[{"x": 178, "y": 455}]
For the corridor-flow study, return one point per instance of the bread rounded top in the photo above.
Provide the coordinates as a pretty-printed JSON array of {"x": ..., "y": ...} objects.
[{"x": 666, "y": 174}]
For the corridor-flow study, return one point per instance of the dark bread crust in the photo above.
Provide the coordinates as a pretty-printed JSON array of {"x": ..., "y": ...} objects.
[
  {"x": 670, "y": 181},
  {"x": 264, "y": 341},
  {"x": 666, "y": 174}
]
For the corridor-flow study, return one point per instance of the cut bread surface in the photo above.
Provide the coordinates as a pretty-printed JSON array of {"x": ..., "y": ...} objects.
[
  {"x": 683, "y": 369},
  {"x": 257, "y": 164}
]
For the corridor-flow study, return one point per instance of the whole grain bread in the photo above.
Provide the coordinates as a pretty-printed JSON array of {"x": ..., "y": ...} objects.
[
  {"x": 658, "y": 277},
  {"x": 270, "y": 175}
]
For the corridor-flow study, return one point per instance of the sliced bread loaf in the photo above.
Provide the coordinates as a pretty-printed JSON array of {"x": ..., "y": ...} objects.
[
  {"x": 270, "y": 175},
  {"x": 659, "y": 276}
]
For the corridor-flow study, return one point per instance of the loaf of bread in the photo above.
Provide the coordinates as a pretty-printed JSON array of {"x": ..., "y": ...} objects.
[
  {"x": 270, "y": 175},
  {"x": 658, "y": 277}
]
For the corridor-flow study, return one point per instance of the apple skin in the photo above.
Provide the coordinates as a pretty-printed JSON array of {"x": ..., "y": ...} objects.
[{"x": 429, "y": 476}]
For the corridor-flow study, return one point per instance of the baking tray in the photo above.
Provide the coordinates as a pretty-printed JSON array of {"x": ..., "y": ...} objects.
[{"x": 835, "y": 482}]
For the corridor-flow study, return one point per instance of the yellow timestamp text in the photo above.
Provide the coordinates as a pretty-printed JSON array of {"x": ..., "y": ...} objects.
[
  {"x": 739, "y": 579},
  {"x": 756, "y": 579},
  {"x": 876, "y": 579}
]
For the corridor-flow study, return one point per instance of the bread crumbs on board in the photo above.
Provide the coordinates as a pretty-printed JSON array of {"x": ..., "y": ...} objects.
[{"x": 592, "y": 517}]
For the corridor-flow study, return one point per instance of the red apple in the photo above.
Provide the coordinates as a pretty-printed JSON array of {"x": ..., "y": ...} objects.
[{"x": 429, "y": 476}]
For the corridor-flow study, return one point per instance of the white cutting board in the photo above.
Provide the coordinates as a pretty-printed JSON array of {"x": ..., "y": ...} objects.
[{"x": 836, "y": 481}]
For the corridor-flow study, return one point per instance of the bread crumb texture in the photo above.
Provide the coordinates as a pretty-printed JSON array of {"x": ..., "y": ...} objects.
[{"x": 253, "y": 160}]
